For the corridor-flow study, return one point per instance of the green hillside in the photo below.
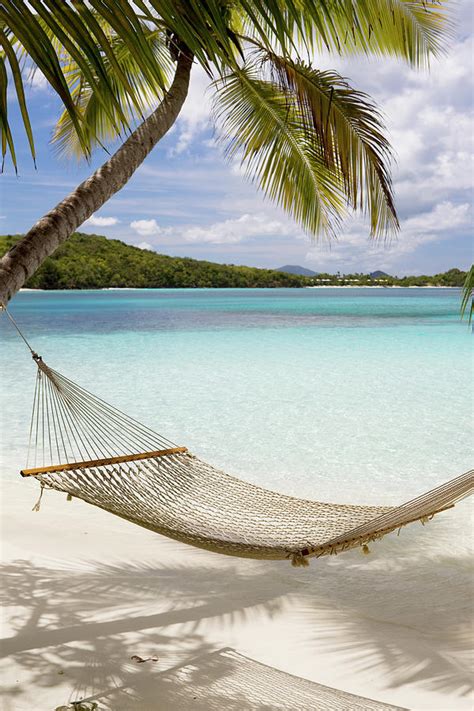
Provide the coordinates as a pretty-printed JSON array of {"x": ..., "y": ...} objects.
[{"x": 93, "y": 262}]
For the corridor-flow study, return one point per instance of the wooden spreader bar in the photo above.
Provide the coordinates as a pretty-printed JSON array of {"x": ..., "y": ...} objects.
[{"x": 101, "y": 462}]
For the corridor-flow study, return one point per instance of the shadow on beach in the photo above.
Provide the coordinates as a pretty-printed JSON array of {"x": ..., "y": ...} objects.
[{"x": 405, "y": 618}]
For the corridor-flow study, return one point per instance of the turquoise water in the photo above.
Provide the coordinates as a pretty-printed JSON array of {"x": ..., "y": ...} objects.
[{"x": 326, "y": 393}]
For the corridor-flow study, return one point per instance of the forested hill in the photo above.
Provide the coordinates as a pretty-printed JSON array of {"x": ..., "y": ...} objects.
[{"x": 94, "y": 262}]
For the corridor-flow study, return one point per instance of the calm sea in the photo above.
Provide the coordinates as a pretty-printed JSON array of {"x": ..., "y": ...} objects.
[{"x": 346, "y": 395}]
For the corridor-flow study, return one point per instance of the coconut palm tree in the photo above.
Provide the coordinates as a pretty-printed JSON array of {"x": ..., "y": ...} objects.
[{"x": 311, "y": 142}]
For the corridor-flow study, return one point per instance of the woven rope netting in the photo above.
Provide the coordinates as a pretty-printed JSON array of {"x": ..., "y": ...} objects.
[
  {"x": 83, "y": 446},
  {"x": 227, "y": 679}
]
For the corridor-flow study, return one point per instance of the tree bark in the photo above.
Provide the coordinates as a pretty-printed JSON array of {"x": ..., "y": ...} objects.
[{"x": 20, "y": 262}]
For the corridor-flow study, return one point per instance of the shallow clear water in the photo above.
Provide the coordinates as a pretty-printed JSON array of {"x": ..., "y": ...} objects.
[{"x": 346, "y": 395}]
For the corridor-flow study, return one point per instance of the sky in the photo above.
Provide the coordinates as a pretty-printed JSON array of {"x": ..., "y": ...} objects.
[{"x": 186, "y": 200}]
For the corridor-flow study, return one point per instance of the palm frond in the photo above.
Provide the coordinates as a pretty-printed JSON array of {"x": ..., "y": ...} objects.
[
  {"x": 62, "y": 37},
  {"x": 126, "y": 80},
  {"x": 25, "y": 33},
  {"x": 350, "y": 134},
  {"x": 467, "y": 295},
  {"x": 204, "y": 26},
  {"x": 55, "y": 36},
  {"x": 410, "y": 29},
  {"x": 5, "y": 131},
  {"x": 134, "y": 35},
  {"x": 7, "y": 139},
  {"x": 259, "y": 126},
  {"x": 413, "y": 30}
]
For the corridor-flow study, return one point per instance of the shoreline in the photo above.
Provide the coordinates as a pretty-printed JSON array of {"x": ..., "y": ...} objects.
[
  {"x": 377, "y": 286},
  {"x": 220, "y": 288}
]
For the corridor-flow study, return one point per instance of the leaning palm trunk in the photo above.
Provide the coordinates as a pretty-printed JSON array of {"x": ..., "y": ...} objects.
[{"x": 58, "y": 224}]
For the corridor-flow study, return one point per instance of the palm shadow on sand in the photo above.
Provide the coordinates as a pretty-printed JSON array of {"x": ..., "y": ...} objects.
[{"x": 406, "y": 618}]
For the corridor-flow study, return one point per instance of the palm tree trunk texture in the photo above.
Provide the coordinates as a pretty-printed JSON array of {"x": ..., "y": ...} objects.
[{"x": 20, "y": 262}]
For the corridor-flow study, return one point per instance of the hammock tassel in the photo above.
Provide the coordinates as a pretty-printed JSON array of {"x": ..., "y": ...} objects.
[
  {"x": 365, "y": 549},
  {"x": 298, "y": 560},
  {"x": 37, "y": 506},
  {"x": 69, "y": 497}
]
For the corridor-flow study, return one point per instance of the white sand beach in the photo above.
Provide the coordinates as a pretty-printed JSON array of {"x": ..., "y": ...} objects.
[{"x": 84, "y": 591}]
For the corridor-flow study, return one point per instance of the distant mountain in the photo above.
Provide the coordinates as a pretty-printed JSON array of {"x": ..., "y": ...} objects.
[
  {"x": 296, "y": 269},
  {"x": 378, "y": 274}
]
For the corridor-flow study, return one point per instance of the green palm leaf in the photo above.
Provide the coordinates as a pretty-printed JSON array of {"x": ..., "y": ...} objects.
[
  {"x": 258, "y": 125},
  {"x": 127, "y": 81},
  {"x": 350, "y": 135},
  {"x": 60, "y": 34},
  {"x": 309, "y": 126},
  {"x": 213, "y": 30},
  {"x": 467, "y": 295},
  {"x": 5, "y": 131},
  {"x": 204, "y": 26},
  {"x": 9, "y": 52},
  {"x": 410, "y": 29}
]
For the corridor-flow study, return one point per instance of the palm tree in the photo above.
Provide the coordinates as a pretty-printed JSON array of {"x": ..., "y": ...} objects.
[{"x": 311, "y": 142}]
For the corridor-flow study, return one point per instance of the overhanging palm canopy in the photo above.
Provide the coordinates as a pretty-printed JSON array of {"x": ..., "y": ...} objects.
[{"x": 312, "y": 143}]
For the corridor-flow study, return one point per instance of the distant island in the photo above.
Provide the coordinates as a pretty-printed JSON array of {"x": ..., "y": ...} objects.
[{"x": 88, "y": 261}]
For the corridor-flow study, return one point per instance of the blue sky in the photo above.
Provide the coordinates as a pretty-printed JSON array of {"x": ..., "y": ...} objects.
[{"x": 186, "y": 200}]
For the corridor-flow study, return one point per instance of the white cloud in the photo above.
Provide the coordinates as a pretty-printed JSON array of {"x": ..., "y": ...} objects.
[
  {"x": 231, "y": 231},
  {"x": 238, "y": 229},
  {"x": 146, "y": 228},
  {"x": 95, "y": 221},
  {"x": 429, "y": 118},
  {"x": 445, "y": 216},
  {"x": 37, "y": 80},
  {"x": 144, "y": 245},
  {"x": 354, "y": 252},
  {"x": 195, "y": 114}
]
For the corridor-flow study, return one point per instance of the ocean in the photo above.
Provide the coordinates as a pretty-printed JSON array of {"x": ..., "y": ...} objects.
[{"x": 353, "y": 395}]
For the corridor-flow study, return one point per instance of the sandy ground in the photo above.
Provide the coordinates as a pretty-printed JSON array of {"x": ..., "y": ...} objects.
[{"x": 84, "y": 591}]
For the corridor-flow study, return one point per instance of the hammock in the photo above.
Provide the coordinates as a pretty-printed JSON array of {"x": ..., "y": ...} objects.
[
  {"x": 227, "y": 679},
  {"x": 88, "y": 449}
]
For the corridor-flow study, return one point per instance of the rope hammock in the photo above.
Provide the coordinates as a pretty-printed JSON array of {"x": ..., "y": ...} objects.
[
  {"x": 81, "y": 445},
  {"x": 227, "y": 679}
]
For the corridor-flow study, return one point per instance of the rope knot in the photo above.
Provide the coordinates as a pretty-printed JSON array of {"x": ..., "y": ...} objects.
[{"x": 298, "y": 559}]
